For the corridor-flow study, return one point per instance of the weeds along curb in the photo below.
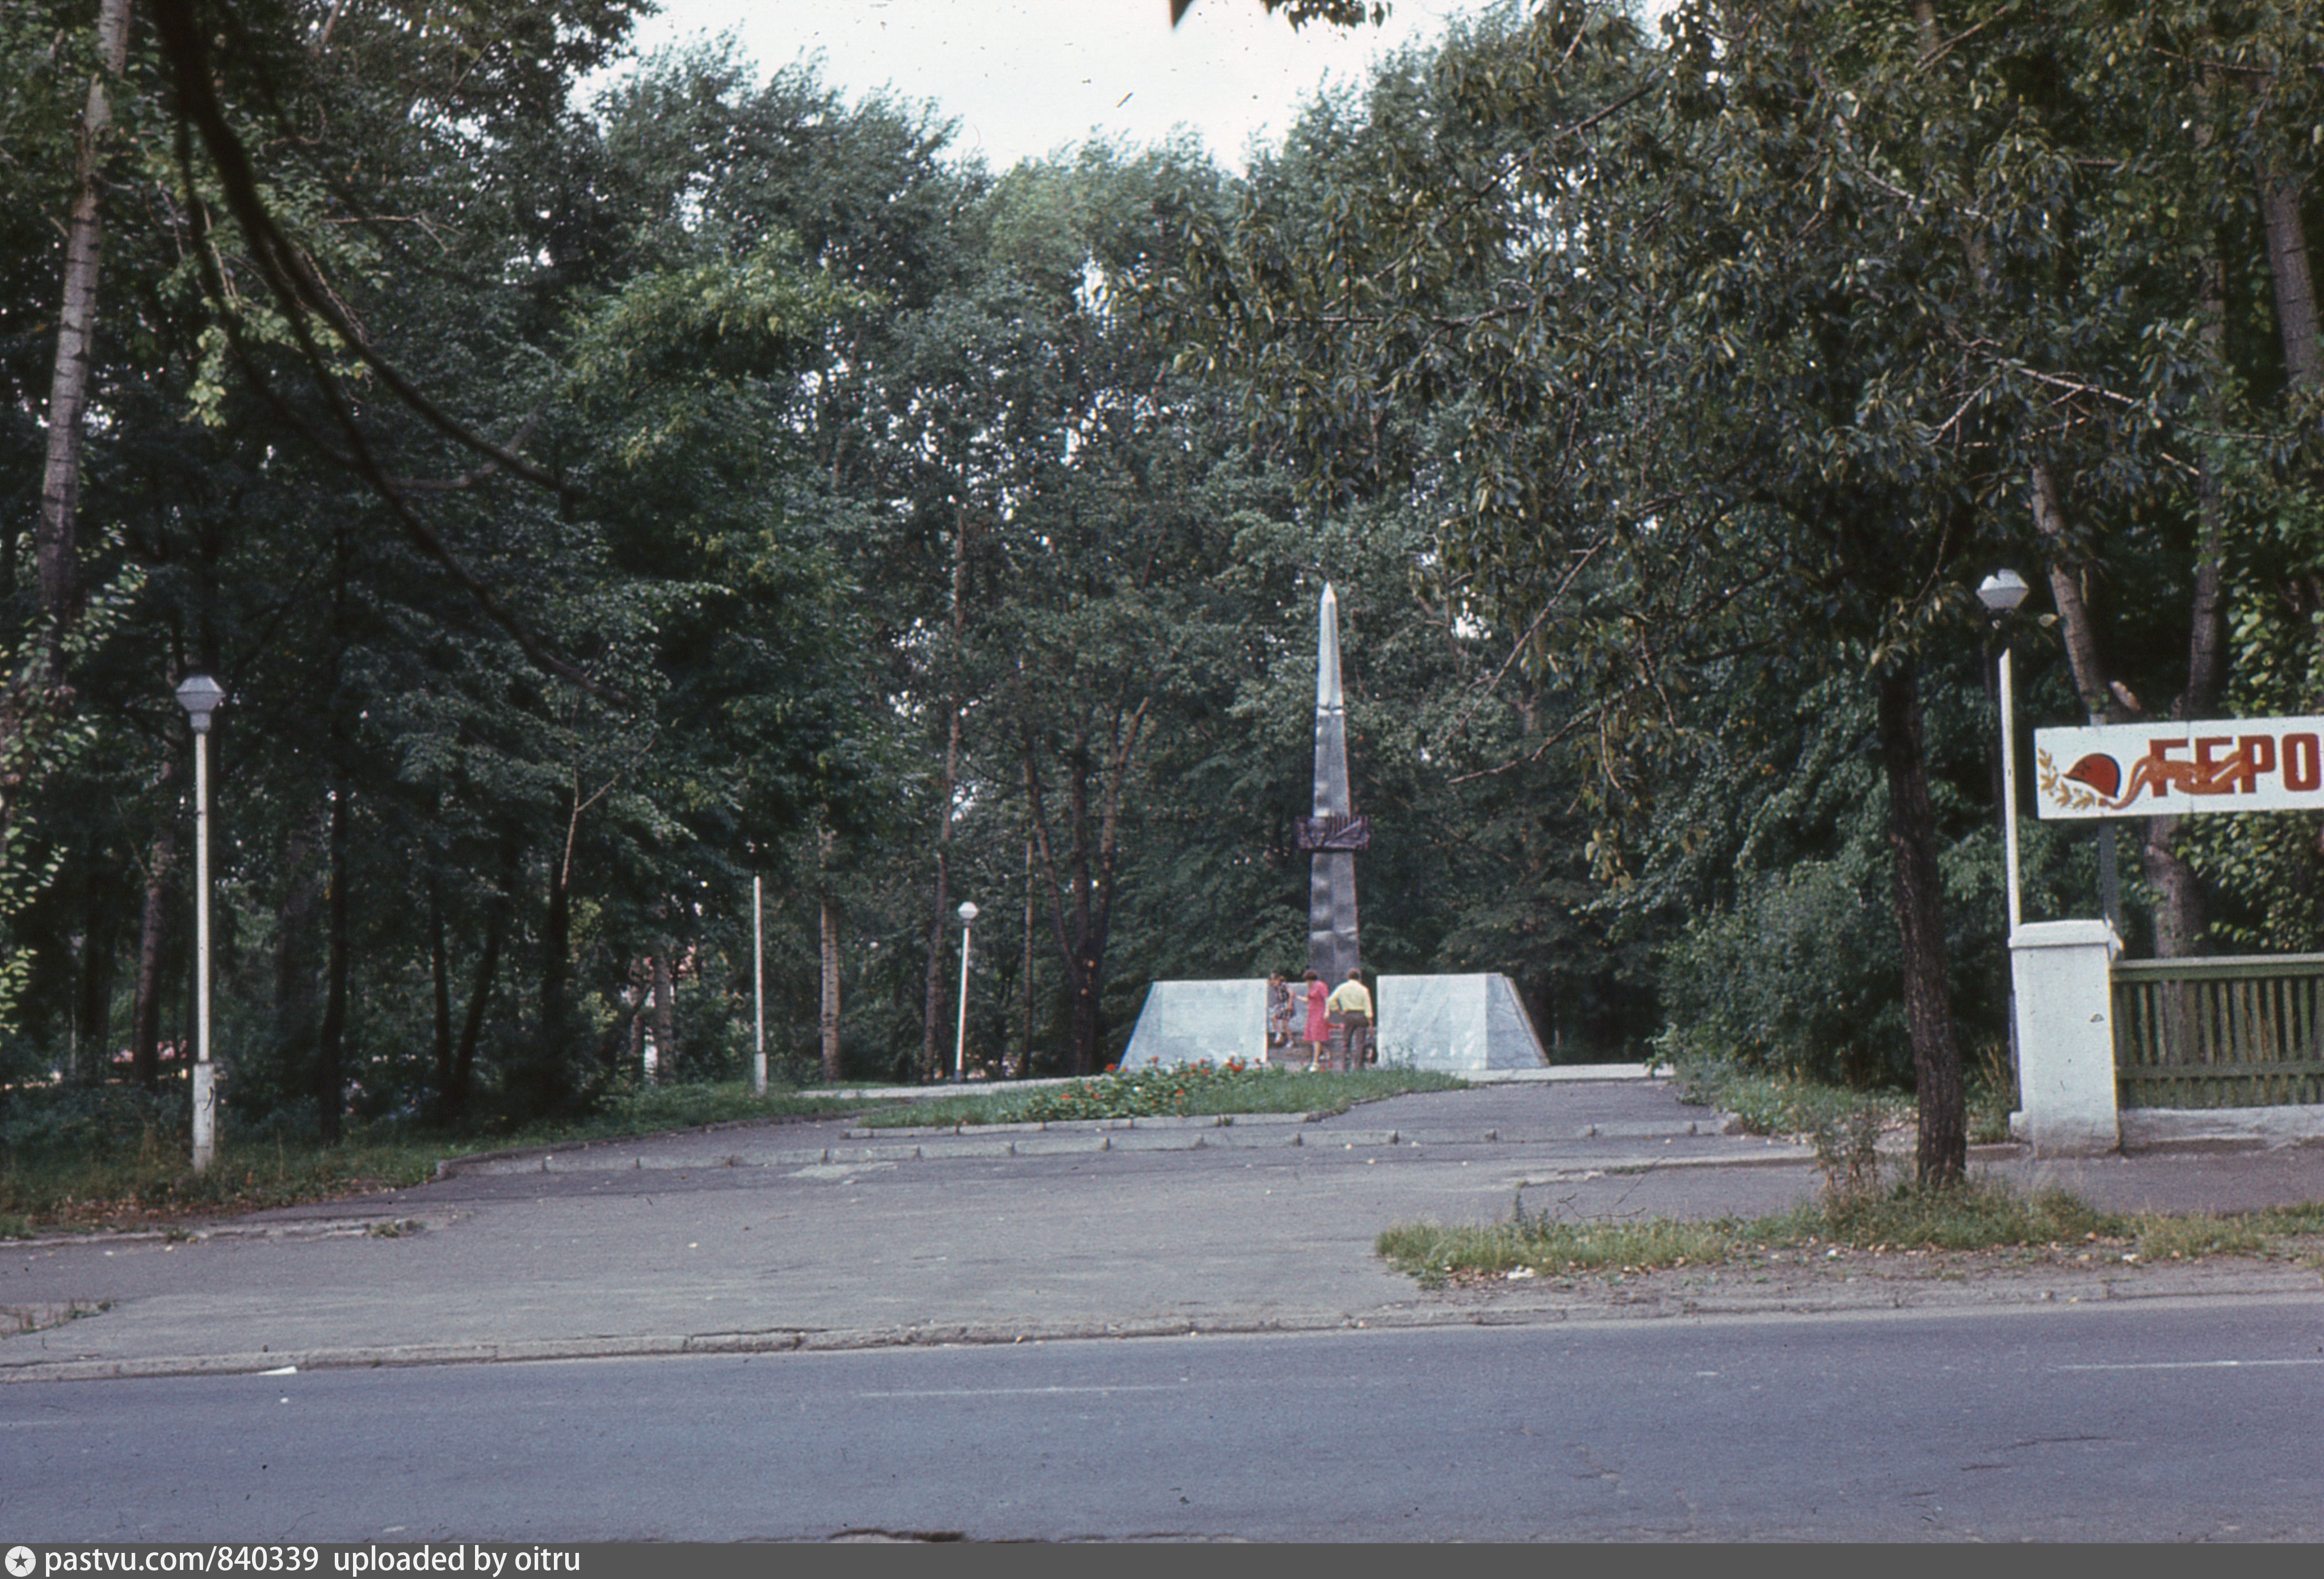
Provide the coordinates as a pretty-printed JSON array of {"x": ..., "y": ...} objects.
[{"x": 1979, "y": 1218}]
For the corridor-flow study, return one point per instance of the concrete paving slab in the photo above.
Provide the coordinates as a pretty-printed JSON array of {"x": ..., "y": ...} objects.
[
  {"x": 1145, "y": 1140},
  {"x": 1058, "y": 1146},
  {"x": 792, "y": 1235}
]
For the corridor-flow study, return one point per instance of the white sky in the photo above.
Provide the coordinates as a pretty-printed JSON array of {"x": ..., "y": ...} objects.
[{"x": 1028, "y": 77}]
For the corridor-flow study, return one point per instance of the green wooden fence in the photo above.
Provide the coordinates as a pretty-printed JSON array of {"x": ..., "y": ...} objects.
[{"x": 2244, "y": 1031}]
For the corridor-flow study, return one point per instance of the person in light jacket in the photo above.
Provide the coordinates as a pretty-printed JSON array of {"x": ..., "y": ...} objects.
[{"x": 1352, "y": 1005}]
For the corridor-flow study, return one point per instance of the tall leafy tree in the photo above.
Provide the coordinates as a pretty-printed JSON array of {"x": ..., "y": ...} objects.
[{"x": 1767, "y": 322}]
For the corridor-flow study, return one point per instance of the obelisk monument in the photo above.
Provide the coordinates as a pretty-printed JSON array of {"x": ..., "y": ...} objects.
[
  {"x": 1469, "y": 1021},
  {"x": 1335, "y": 833}
]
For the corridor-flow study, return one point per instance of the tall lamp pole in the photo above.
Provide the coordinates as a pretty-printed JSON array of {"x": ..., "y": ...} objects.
[
  {"x": 759, "y": 984},
  {"x": 960, "y": 1043},
  {"x": 2001, "y": 592},
  {"x": 199, "y": 695}
]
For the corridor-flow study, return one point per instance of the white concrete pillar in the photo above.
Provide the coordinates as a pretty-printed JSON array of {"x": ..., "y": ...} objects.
[{"x": 2063, "y": 974}]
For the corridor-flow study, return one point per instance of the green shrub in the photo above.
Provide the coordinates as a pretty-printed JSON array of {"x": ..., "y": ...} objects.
[
  {"x": 1801, "y": 978},
  {"x": 1768, "y": 1104}
]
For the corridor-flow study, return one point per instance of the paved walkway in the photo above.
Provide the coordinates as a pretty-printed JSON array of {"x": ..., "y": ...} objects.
[{"x": 822, "y": 1235}]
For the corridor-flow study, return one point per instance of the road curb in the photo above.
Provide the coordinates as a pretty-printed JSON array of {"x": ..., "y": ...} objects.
[
  {"x": 966, "y": 1143},
  {"x": 1850, "y": 1300}
]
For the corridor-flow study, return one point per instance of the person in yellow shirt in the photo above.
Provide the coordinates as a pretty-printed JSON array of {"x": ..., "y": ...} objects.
[{"x": 1352, "y": 1005}]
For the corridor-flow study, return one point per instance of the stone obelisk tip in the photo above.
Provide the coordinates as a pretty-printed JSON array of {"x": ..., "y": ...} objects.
[{"x": 1327, "y": 651}]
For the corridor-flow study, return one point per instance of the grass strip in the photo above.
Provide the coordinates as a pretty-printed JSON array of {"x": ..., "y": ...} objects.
[
  {"x": 1772, "y": 1103},
  {"x": 1178, "y": 1090},
  {"x": 1980, "y": 1215},
  {"x": 92, "y": 1175}
]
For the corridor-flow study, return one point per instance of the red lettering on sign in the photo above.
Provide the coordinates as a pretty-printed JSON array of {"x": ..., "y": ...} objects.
[
  {"x": 2157, "y": 772},
  {"x": 2213, "y": 776},
  {"x": 2258, "y": 754},
  {"x": 2303, "y": 765}
]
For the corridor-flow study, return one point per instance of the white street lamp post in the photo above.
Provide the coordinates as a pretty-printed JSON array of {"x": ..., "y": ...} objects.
[
  {"x": 759, "y": 984},
  {"x": 2000, "y": 592},
  {"x": 199, "y": 695},
  {"x": 960, "y": 1043}
]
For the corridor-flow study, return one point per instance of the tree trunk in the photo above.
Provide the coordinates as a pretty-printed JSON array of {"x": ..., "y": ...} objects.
[
  {"x": 2288, "y": 270},
  {"x": 452, "y": 1100},
  {"x": 2294, "y": 282},
  {"x": 665, "y": 1016},
  {"x": 36, "y": 699},
  {"x": 455, "y": 1097},
  {"x": 93, "y": 1014},
  {"x": 330, "y": 1081},
  {"x": 1942, "y": 1156},
  {"x": 439, "y": 976},
  {"x": 932, "y": 1012},
  {"x": 1025, "y": 985},
  {"x": 55, "y": 550},
  {"x": 2091, "y": 681},
  {"x": 1091, "y": 872},
  {"x": 331, "y": 1077},
  {"x": 556, "y": 955},
  {"x": 637, "y": 997},
  {"x": 2179, "y": 912},
  {"x": 2180, "y": 923},
  {"x": 2206, "y": 637},
  {"x": 827, "y": 1015},
  {"x": 1088, "y": 960},
  {"x": 295, "y": 1014},
  {"x": 145, "y": 1009}
]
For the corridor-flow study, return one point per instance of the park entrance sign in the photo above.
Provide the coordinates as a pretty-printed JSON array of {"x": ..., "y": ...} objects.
[
  {"x": 2166, "y": 767},
  {"x": 2073, "y": 1068}
]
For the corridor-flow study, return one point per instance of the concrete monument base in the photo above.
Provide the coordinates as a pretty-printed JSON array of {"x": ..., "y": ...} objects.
[
  {"x": 1457, "y": 1024},
  {"x": 1198, "y": 1021}
]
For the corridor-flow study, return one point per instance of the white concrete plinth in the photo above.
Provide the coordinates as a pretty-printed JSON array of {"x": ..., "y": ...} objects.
[
  {"x": 2291, "y": 1124},
  {"x": 2062, "y": 971},
  {"x": 1199, "y": 1022},
  {"x": 1459, "y": 1023}
]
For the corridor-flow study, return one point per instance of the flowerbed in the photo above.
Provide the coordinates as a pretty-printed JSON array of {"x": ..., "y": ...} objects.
[{"x": 1169, "y": 1091}]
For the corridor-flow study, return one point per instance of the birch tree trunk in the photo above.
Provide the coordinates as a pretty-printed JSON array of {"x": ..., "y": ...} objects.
[
  {"x": 34, "y": 700},
  {"x": 55, "y": 550}
]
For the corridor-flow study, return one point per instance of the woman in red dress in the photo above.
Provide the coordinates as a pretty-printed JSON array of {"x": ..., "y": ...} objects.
[{"x": 1319, "y": 1021}]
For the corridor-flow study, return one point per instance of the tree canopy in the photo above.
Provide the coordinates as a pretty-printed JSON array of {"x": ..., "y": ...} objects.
[{"x": 592, "y": 506}]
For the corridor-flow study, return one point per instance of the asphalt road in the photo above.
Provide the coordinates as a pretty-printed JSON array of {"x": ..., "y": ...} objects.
[{"x": 2153, "y": 1420}]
